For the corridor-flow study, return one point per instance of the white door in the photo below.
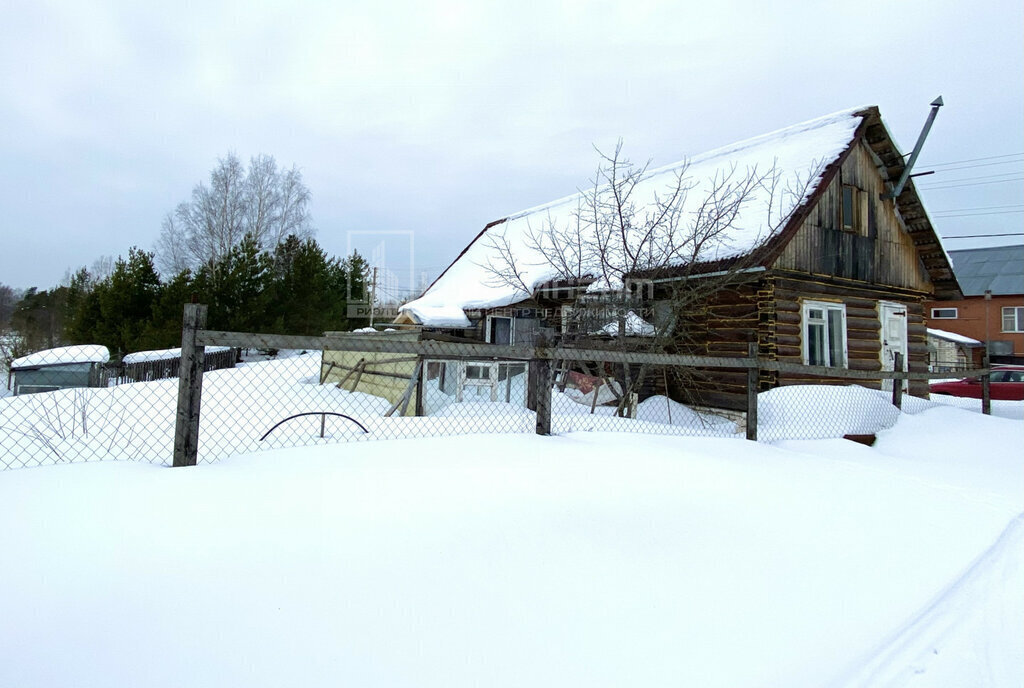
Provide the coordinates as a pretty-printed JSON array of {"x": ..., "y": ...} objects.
[{"x": 894, "y": 337}]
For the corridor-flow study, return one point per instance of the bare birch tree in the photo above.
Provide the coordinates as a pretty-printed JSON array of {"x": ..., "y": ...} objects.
[{"x": 264, "y": 201}]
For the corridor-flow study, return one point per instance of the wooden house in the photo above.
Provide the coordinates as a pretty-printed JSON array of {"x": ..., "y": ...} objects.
[{"x": 838, "y": 277}]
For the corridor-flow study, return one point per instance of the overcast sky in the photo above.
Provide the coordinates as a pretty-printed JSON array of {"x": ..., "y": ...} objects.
[{"x": 437, "y": 117}]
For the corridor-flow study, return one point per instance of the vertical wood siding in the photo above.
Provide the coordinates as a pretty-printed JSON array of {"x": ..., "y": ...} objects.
[{"x": 879, "y": 252}]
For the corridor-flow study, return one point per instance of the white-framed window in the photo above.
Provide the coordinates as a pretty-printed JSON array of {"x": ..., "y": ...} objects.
[
  {"x": 500, "y": 330},
  {"x": 824, "y": 334},
  {"x": 945, "y": 313},
  {"x": 1013, "y": 319}
]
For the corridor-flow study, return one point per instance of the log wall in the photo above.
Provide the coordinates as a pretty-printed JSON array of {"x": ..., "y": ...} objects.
[{"x": 770, "y": 313}]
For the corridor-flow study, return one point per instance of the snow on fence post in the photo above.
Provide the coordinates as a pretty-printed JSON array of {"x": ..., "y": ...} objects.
[
  {"x": 986, "y": 389},
  {"x": 753, "y": 376},
  {"x": 897, "y": 380},
  {"x": 190, "y": 387}
]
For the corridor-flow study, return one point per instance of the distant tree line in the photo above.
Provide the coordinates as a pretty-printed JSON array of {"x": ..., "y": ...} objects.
[{"x": 293, "y": 288}]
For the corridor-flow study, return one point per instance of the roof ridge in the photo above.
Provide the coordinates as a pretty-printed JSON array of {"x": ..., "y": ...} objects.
[{"x": 730, "y": 148}]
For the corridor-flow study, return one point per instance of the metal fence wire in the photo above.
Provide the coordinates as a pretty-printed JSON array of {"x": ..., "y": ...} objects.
[{"x": 283, "y": 391}]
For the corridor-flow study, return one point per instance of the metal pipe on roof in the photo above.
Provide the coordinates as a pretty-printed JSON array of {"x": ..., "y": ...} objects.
[{"x": 896, "y": 190}]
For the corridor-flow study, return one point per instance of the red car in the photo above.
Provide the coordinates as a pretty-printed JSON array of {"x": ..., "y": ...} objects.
[{"x": 1005, "y": 382}]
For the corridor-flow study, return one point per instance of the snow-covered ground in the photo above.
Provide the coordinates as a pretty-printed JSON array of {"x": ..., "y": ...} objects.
[{"x": 587, "y": 559}]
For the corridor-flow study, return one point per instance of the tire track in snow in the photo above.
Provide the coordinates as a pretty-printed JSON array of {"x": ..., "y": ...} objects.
[{"x": 978, "y": 610}]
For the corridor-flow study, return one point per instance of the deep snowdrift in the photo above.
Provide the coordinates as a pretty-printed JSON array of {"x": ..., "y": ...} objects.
[{"x": 588, "y": 559}]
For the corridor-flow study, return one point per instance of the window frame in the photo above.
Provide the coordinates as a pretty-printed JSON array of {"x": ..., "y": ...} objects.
[
  {"x": 825, "y": 322},
  {"x": 511, "y": 328},
  {"x": 850, "y": 222},
  {"x": 1018, "y": 317},
  {"x": 956, "y": 314}
]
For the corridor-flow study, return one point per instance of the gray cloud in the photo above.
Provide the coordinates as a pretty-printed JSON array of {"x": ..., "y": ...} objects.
[{"x": 438, "y": 117}]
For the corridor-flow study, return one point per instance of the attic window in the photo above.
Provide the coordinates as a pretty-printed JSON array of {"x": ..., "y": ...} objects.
[{"x": 851, "y": 209}]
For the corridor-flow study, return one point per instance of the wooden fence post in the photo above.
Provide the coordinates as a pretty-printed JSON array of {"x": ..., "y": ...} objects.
[
  {"x": 531, "y": 385},
  {"x": 190, "y": 387},
  {"x": 986, "y": 388},
  {"x": 897, "y": 381},
  {"x": 753, "y": 377},
  {"x": 540, "y": 384}
]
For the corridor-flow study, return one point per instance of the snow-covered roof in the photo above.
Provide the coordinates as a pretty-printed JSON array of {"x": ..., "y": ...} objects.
[
  {"x": 635, "y": 326},
  {"x": 796, "y": 155},
  {"x": 953, "y": 337},
  {"x": 85, "y": 353},
  {"x": 163, "y": 354}
]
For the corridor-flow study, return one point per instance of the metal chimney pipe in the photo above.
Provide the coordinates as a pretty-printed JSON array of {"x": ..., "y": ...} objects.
[{"x": 896, "y": 190}]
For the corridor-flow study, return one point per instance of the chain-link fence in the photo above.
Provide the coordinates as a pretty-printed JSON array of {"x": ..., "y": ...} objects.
[
  {"x": 61, "y": 407},
  {"x": 297, "y": 391}
]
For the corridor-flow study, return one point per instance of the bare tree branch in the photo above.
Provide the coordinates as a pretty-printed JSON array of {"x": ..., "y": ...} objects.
[{"x": 269, "y": 203}]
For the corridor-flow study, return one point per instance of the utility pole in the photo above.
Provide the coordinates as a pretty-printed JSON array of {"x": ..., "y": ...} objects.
[{"x": 373, "y": 295}]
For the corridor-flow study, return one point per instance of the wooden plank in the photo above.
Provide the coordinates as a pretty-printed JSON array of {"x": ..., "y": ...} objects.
[
  {"x": 386, "y": 361},
  {"x": 324, "y": 375},
  {"x": 372, "y": 344},
  {"x": 446, "y": 350},
  {"x": 351, "y": 371},
  {"x": 363, "y": 368},
  {"x": 403, "y": 401},
  {"x": 359, "y": 376},
  {"x": 858, "y": 295}
]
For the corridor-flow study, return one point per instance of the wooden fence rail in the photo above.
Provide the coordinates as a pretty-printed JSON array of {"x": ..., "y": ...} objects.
[
  {"x": 453, "y": 350},
  {"x": 542, "y": 364}
]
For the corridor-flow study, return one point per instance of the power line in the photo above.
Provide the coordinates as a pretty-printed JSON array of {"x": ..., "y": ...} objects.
[
  {"x": 987, "y": 157},
  {"x": 957, "y": 186},
  {"x": 983, "y": 207},
  {"x": 976, "y": 178},
  {"x": 999, "y": 212},
  {"x": 971, "y": 167},
  {"x": 983, "y": 236}
]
